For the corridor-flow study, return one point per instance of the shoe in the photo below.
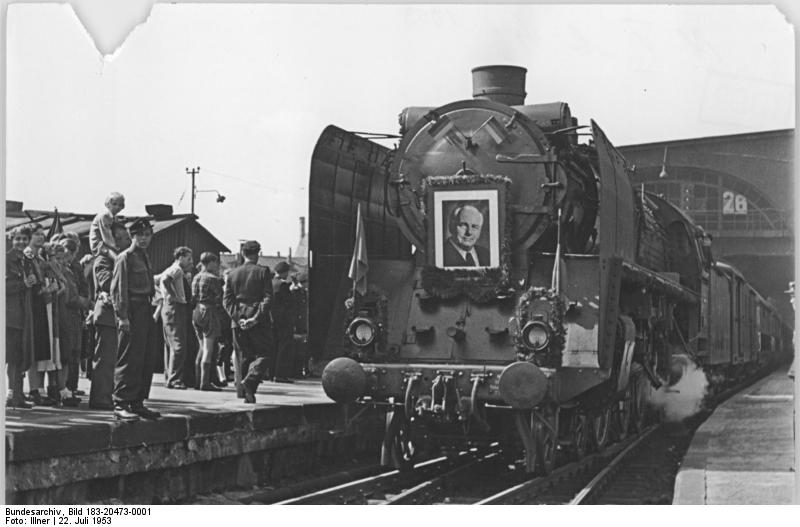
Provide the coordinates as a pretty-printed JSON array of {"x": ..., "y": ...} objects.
[
  {"x": 283, "y": 380},
  {"x": 19, "y": 404},
  {"x": 72, "y": 402},
  {"x": 124, "y": 413},
  {"x": 210, "y": 388},
  {"x": 140, "y": 410},
  {"x": 101, "y": 406},
  {"x": 177, "y": 385},
  {"x": 249, "y": 394},
  {"x": 36, "y": 398}
]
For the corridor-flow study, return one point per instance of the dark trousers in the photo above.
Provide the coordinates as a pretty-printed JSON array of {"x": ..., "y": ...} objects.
[
  {"x": 284, "y": 338},
  {"x": 103, "y": 362},
  {"x": 14, "y": 361},
  {"x": 257, "y": 351},
  {"x": 136, "y": 355},
  {"x": 74, "y": 370},
  {"x": 176, "y": 333}
]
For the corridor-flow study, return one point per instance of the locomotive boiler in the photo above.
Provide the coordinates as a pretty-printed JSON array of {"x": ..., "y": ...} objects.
[{"x": 521, "y": 290}]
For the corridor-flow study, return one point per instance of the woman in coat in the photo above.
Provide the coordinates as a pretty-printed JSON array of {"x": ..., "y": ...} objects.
[
  {"x": 71, "y": 309},
  {"x": 42, "y": 296},
  {"x": 20, "y": 280}
]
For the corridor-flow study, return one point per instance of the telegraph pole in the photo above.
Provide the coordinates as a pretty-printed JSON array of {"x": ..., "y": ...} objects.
[{"x": 193, "y": 172}]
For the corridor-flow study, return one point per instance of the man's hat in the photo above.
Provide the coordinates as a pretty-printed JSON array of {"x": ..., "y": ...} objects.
[
  {"x": 282, "y": 267},
  {"x": 139, "y": 226},
  {"x": 251, "y": 246}
]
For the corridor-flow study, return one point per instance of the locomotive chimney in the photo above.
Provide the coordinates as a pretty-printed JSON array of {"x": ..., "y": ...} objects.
[{"x": 503, "y": 84}]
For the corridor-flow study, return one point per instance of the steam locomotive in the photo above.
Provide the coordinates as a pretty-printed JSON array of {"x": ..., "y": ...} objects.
[{"x": 521, "y": 289}]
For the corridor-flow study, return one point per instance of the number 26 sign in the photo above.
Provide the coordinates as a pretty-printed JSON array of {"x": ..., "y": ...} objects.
[{"x": 733, "y": 203}]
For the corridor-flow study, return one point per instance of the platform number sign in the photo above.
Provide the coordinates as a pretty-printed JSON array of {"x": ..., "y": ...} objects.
[{"x": 733, "y": 203}]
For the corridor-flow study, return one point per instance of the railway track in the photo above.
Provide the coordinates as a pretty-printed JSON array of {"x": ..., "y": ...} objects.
[{"x": 394, "y": 486}]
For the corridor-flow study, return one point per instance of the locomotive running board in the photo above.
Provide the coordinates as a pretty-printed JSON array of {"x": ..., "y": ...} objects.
[{"x": 640, "y": 275}]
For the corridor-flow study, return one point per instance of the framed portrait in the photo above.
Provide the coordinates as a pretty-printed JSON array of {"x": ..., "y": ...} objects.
[{"x": 466, "y": 230}]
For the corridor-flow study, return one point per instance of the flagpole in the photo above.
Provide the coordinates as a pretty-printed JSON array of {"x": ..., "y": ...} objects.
[
  {"x": 555, "y": 280},
  {"x": 358, "y": 224},
  {"x": 358, "y": 264}
]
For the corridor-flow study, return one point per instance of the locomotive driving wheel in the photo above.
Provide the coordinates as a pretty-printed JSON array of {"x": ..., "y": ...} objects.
[
  {"x": 546, "y": 451},
  {"x": 398, "y": 449},
  {"x": 601, "y": 423},
  {"x": 579, "y": 434}
]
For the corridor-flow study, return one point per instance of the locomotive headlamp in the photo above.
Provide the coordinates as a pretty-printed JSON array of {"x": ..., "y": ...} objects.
[
  {"x": 535, "y": 335},
  {"x": 362, "y": 331}
]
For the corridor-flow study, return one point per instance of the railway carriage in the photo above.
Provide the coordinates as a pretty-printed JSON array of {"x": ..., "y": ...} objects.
[{"x": 521, "y": 288}]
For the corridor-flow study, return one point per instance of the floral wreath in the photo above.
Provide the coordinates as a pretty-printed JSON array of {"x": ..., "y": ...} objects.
[{"x": 555, "y": 320}]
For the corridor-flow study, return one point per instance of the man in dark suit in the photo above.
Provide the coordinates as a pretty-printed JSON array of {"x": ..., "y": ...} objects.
[
  {"x": 283, "y": 323},
  {"x": 460, "y": 248},
  {"x": 247, "y": 298}
]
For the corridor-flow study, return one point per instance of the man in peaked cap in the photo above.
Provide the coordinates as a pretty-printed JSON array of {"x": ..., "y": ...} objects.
[
  {"x": 282, "y": 319},
  {"x": 247, "y": 297},
  {"x": 132, "y": 290}
]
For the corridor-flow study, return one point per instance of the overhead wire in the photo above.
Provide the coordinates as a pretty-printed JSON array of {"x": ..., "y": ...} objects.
[{"x": 253, "y": 183}]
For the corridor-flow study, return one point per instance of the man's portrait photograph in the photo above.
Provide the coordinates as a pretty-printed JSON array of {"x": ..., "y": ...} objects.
[{"x": 466, "y": 229}]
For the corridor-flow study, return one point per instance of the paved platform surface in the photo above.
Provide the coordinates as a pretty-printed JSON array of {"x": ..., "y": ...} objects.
[
  {"x": 43, "y": 431},
  {"x": 744, "y": 452}
]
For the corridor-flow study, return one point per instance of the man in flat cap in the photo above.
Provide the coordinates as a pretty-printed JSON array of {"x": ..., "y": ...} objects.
[
  {"x": 247, "y": 297},
  {"x": 282, "y": 320},
  {"x": 132, "y": 290}
]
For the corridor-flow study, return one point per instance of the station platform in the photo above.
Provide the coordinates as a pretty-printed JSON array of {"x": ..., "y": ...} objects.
[
  {"x": 743, "y": 453},
  {"x": 204, "y": 442}
]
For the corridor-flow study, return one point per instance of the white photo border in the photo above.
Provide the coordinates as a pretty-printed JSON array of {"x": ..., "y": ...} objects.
[{"x": 440, "y": 196}]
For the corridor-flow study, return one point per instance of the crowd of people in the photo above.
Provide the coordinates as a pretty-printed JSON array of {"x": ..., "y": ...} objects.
[{"x": 111, "y": 304}]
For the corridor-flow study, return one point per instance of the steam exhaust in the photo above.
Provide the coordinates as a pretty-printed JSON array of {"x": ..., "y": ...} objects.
[{"x": 684, "y": 395}]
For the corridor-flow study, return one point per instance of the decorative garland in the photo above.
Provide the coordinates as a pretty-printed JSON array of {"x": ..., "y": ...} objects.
[
  {"x": 551, "y": 356},
  {"x": 463, "y": 179},
  {"x": 479, "y": 285},
  {"x": 376, "y": 305}
]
